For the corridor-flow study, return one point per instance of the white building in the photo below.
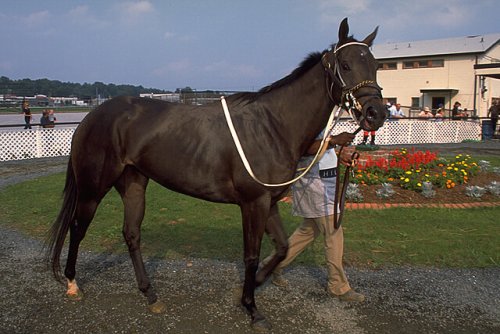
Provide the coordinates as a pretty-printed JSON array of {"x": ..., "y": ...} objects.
[{"x": 428, "y": 73}]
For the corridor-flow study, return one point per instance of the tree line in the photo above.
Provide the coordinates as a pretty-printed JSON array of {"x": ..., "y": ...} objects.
[{"x": 53, "y": 88}]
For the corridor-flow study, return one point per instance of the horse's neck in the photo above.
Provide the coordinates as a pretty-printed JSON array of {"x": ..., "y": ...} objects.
[{"x": 302, "y": 109}]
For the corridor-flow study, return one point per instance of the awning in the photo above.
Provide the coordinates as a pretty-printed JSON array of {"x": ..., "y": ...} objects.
[
  {"x": 488, "y": 70},
  {"x": 439, "y": 90}
]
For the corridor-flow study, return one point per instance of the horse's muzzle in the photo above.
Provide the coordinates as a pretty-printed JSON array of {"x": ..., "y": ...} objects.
[{"x": 374, "y": 116}]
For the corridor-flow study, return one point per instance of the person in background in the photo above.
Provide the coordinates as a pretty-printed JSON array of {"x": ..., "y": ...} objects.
[
  {"x": 465, "y": 114},
  {"x": 27, "y": 114},
  {"x": 493, "y": 114},
  {"x": 52, "y": 118},
  {"x": 440, "y": 110},
  {"x": 44, "y": 120},
  {"x": 426, "y": 113},
  {"x": 457, "y": 112},
  {"x": 390, "y": 108},
  {"x": 397, "y": 112},
  {"x": 313, "y": 198},
  {"x": 439, "y": 114}
]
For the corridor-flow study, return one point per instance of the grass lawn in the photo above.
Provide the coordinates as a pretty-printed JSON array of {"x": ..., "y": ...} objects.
[{"x": 177, "y": 226}]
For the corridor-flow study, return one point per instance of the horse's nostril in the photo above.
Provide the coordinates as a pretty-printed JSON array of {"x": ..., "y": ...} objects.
[{"x": 371, "y": 113}]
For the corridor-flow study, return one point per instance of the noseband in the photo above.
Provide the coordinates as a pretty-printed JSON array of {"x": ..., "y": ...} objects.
[{"x": 348, "y": 100}]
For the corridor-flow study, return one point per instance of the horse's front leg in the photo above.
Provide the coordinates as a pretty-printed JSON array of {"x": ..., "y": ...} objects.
[
  {"x": 275, "y": 230},
  {"x": 254, "y": 217}
]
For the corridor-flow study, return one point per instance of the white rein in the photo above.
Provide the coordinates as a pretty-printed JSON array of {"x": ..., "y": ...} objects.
[{"x": 326, "y": 138}]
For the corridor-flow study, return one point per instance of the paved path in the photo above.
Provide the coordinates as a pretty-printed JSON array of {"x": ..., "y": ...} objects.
[{"x": 18, "y": 119}]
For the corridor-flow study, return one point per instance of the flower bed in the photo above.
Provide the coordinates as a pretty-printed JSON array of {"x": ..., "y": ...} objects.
[
  {"x": 410, "y": 169},
  {"x": 422, "y": 177}
]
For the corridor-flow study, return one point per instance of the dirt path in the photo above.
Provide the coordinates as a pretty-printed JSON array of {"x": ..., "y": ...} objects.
[{"x": 200, "y": 297}]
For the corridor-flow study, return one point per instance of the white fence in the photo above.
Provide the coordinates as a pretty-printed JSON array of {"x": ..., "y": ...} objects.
[
  {"x": 35, "y": 143},
  {"x": 39, "y": 143}
]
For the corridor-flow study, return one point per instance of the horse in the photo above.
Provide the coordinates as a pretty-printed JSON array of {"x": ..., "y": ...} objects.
[{"x": 126, "y": 141}]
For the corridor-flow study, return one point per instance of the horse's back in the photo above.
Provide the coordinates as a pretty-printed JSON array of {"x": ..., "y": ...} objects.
[{"x": 184, "y": 148}]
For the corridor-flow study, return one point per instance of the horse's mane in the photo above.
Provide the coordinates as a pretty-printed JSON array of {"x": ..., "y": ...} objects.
[{"x": 310, "y": 61}]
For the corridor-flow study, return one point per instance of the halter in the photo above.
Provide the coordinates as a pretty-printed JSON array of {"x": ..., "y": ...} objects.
[{"x": 348, "y": 100}]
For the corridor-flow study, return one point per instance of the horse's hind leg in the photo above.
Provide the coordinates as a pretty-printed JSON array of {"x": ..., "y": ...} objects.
[
  {"x": 85, "y": 211},
  {"x": 254, "y": 216},
  {"x": 132, "y": 187}
]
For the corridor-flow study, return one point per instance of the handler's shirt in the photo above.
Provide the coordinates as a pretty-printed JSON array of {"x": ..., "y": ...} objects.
[{"x": 312, "y": 195}]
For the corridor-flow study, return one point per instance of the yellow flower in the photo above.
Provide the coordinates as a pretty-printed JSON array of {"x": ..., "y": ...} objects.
[
  {"x": 455, "y": 169},
  {"x": 408, "y": 172},
  {"x": 449, "y": 168},
  {"x": 419, "y": 184},
  {"x": 418, "y": 171},
  {"x": 407, "y": 180}
]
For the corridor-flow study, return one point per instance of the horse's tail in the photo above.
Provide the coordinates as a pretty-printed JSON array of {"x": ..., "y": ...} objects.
[{"x": 60, "y": 227}]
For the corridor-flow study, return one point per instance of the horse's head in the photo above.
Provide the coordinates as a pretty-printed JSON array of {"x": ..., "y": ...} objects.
[{"x": 352, "y": 72}]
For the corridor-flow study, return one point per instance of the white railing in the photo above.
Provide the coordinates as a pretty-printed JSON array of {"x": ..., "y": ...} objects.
[
  {"x": 39, "y": 142},
  {"x": 35, "y": 143}
]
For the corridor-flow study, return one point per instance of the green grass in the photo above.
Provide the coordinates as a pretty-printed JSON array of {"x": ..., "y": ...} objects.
[{"x": 177, "y": 226}]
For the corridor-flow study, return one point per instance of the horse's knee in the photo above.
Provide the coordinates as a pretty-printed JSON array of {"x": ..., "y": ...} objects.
[
  {"x": 131, "y": 239},
  {"x": 252, "y": 262}
]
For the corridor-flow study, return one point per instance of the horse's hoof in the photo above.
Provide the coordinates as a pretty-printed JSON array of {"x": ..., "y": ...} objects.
[
  {"x": 261, "y": 326},
  {"x": 75, "y": 296},
  {"x": 158, "y": 307}
]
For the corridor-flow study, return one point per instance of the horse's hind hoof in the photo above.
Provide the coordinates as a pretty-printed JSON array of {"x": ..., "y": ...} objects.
[
  {"x": 75, "y": 296},
  {"x": 261, "y": 326},
  {"x": 157, "y": 307}
]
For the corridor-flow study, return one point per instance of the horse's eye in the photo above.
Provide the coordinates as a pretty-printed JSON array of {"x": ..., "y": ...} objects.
[{"x": 346, "y": 66}]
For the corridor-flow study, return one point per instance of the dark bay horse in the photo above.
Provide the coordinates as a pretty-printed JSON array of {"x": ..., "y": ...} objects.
[{"x": 127, "y": 141}]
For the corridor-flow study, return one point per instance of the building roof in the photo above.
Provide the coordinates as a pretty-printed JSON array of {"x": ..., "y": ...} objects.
[{"x": 448, "y": 46}]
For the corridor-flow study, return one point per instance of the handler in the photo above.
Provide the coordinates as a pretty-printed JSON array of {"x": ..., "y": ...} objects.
[{"x": 313, "y": 199}]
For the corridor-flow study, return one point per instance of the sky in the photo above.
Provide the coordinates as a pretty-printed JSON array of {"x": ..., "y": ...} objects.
[{"x": 238, "y": 45}]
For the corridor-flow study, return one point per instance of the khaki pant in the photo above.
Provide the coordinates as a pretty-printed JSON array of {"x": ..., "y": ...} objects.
[{"x": 334, "y": 250}]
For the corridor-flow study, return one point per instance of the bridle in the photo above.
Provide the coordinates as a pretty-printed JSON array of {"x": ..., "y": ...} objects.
[
  {"x": 350, "y": 103},
  {"x": 348, "y": 100}
]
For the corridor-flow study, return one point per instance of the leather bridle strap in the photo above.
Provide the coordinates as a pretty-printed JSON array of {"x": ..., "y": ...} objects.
[{"x": 339, "y": 202}]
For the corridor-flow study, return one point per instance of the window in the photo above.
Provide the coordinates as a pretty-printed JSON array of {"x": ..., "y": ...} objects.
[
  {"x": 438, "y": 63},
  {"x": 388, "y": 66},
  {"x": 423, "y": 63},
  {"x": 415, "y": 102}
]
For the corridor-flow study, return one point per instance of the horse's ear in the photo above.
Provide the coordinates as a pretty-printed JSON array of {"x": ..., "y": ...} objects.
[
  {"x": 343, "y": 30},
  {"x": 370, "y": 38}
]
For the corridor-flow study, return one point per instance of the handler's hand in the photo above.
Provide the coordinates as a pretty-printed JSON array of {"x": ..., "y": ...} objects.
[
  {"x": 345, "y": 159},
  {"x": 343, "y": 139}
]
